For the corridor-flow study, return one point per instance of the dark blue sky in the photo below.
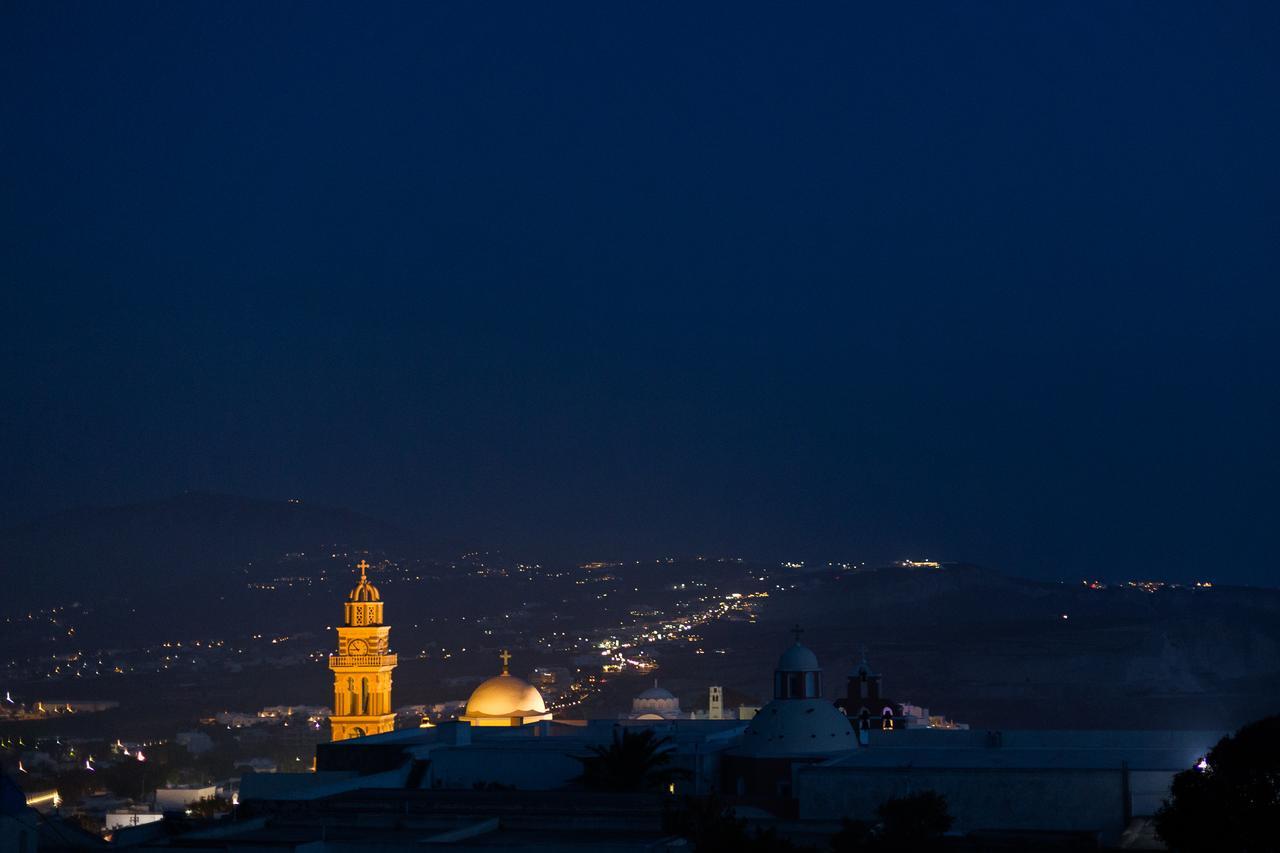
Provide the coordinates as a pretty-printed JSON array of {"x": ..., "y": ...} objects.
[{"x": 993, "y": 282}]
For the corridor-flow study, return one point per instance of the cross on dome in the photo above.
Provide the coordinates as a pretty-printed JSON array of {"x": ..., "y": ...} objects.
[
  {"x": 506, "y": 662},
  {"x": 365, "y": 591},
  {"x": 797, "y": 630}
]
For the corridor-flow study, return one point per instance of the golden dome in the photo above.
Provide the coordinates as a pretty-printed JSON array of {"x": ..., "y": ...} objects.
[
  {"x": 364, "y": 590},
  {"x": 505, "y": 700},
  {"x": 506, "y": 696}
]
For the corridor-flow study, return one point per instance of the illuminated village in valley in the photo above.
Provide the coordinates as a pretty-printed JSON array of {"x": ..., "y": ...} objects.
[{"x": 818, "y": 747}]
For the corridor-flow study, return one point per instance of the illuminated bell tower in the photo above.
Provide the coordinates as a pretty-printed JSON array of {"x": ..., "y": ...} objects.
[{"x": 362, "y": 667}]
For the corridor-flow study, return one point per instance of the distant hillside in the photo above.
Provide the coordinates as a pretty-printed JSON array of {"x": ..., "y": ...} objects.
[
  {"x": 996, "y": 650},
  {"x": 196, "y": 536}
]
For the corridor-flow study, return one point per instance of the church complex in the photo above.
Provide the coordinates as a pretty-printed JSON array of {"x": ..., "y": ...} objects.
[
  {"x": 362, "y": 687},
  {"x": 506, "y": 773}
]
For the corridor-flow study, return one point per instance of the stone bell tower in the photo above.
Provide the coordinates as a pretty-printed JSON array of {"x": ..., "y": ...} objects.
[{"x": 362, "y": 667}]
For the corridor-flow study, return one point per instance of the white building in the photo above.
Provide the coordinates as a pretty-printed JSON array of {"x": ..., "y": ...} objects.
[
  {"x": 178, "y": 799},
  {"x": 1072, "y": 781},
  {"x": 125, "y": 819}
]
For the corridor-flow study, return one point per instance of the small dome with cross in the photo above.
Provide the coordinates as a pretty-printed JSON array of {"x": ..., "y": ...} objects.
[
  {"x": 364, "y": 591},
  {"x": 798, "y": 658}
]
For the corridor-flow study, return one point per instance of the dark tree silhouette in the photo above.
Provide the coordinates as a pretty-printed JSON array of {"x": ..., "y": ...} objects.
[
  {"x": 210, "y": 807},
  {"x": 1231, "y": 800},
  {"x": 914, "y": 820},
  {"x": 855, "y": 836},
  {"x": 634, "y": 761}
]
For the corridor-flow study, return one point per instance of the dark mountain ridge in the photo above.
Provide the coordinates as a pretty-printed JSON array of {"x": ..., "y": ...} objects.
[{"x": 196, "y": 536}]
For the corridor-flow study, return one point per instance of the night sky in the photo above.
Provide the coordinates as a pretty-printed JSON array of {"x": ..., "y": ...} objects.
[{"x": 984, "y": 282}]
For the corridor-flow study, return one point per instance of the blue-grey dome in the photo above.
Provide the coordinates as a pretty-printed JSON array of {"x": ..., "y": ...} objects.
[{"x": 798, "y": 659}]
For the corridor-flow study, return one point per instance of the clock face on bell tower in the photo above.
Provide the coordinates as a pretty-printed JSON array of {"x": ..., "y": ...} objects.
[{"x": 357, "y": 647}]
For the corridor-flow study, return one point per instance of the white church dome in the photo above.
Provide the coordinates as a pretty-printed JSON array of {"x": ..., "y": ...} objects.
[
  {"x": 798, "y": 721},
  {"x": 798, "y": 727},
  {"x": 655, "y": 703}
]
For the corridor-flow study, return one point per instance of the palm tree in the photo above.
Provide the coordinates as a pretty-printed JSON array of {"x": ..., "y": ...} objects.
[{"x": 634, "y": 761}]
